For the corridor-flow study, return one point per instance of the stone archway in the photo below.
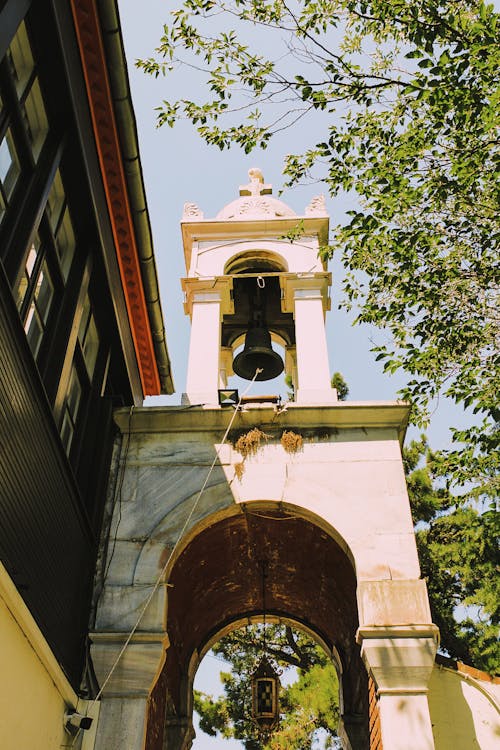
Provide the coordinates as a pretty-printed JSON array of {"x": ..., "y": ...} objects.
[
  {"x": 216, "y": 580},
  {"x": 345, "y": 492}
]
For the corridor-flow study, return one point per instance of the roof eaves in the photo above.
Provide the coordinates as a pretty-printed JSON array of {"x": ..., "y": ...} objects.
[{"x": 124, "y": 112}]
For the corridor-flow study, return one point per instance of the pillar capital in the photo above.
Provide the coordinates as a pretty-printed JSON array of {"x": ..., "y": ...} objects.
[
  {"x": 207, "y": 290},
  {"x": 304, "y": 286},
  {"x": 400, "y": 657},
  {"x": 137, "y": 668}
]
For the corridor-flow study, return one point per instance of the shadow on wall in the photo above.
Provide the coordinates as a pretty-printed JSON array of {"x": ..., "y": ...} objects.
[{"x": 464, "y": 714}]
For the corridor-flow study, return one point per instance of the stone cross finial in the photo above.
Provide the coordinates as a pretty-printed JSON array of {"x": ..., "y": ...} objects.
[{"x": 256, "y": 185}]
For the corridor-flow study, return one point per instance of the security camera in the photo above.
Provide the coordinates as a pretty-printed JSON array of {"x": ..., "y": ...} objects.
[{"x": 73, "y": 721}]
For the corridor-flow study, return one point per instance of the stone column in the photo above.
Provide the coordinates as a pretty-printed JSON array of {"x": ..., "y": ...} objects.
[
  {"x": 206, "y": 301},
  {"x": 225, "y": 365},
  {"x": 400, "y": 659},
  {"x": 203, "y": 363},
  {"x": 124, "y": 703},
  {"x": 291, "y": 366},
  {"x": 353, "y": 732},
  {"x": 307, "y": 297},
  {"x": 179, "y": 733}
]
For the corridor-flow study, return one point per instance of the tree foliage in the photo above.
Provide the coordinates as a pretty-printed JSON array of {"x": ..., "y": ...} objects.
[
  {"x": 337, "y": 381},
  {"x": 459, "y": 556},
  {"x": 402, "y": 103},
  {"x": 340, "y": 385},
  {"x": 309, "y": 703}
]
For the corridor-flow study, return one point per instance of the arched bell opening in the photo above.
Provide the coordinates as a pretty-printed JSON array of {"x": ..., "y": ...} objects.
[
  {"x": 257, "y": 315},
  {"x": 263, "y": 260},
  {"x": 216, "y": 581}
]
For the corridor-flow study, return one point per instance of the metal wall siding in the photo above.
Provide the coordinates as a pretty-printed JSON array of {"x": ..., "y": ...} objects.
[{"x": 45, "y": 541}]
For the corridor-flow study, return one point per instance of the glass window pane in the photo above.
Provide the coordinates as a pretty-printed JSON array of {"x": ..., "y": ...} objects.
[
  {"x": 9, "y": 164},
  {"x": 70, "y": 412},
  {"x": 32, "y": 256},
  {"x": 82, "y": 330},
  {"x": 65, "y": 241},
  {"x": 44, "y": 293},
  {"x": 67, "y": 433},
  {"x": 37, "y": 125},
  {"x": 55, "y": 201},
  {"x": 91, "y": 347},
  {"x": 22, "y": 289},
  {"x": 74, "y": 395},
  {"x": 34, "y": 329},
  {"x": 88, "y": 338},
  {"x": 21, "y": 59},
  {"x": 41, "y": 294}
]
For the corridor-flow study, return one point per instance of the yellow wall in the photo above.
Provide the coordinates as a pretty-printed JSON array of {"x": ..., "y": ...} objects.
[
  {"x": 34, "y": 693},
  {"x": 465, "y": 712}
]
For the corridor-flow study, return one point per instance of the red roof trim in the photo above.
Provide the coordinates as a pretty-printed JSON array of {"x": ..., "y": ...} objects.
[
  {"x": 459, "y": 666},
  {"x": 93, "y": 58}
]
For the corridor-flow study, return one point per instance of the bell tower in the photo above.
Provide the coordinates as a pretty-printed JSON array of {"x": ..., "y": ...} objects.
[
  {"x": 254, "y": 279},
  {"x": 322, "y": 502}
]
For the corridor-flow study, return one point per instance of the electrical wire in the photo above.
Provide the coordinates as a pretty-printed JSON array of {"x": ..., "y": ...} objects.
[{"x": 181, "y": 534}]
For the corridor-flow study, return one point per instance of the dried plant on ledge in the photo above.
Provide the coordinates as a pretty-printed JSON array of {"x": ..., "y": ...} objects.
[
  {"x": 249, "y": 443},
  {"x": 291, "y": 441},
  {"x": 239, "y": 470}
]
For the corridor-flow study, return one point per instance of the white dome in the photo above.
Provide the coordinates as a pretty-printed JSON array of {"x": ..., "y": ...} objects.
[
  {"x": 255, "y": 201},
  {"x": 255, "y": 207}
]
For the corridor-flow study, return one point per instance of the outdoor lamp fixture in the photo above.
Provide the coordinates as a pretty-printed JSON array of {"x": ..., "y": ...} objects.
[
  {"x": 265, "y": 685},
  {"x": 228, "y": 396},
  {"x": 74, "y": 722}
]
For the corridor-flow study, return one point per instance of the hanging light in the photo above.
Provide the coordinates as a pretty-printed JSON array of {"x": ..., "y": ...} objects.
[
  {"x": 265, "y": 684},
  {"x": 265, "y": 697}
]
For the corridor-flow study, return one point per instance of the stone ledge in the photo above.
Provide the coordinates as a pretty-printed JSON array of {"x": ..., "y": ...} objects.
[
  {"x": 398, "y": 631},
  {"x": 340, "y": 415},
  {"x": 136, "y": 670},
  {"x": 400, "y": 658}
]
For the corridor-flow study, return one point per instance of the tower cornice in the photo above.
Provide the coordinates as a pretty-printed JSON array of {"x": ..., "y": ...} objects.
[{"x": 209, "y": 230}]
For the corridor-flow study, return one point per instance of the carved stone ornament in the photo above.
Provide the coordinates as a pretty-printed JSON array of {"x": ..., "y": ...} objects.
[
  {"x": 317, "y": 206},
  {"x": 255, "y": 201},
  {"x": 254, "y": 208},
  {"x": 191, "y": 211}
]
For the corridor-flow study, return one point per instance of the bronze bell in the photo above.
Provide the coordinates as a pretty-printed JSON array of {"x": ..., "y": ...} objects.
[{"x": 258, "y": 354}]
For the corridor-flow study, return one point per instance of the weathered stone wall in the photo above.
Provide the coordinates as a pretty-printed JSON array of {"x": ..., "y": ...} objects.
[{"x": 347, "y": 479}]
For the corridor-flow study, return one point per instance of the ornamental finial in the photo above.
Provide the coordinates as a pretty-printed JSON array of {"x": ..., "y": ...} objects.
[{"x": 256, "y": 185}]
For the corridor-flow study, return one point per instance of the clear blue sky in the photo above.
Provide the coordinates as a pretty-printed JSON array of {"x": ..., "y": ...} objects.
[{"x": 177, "y": 168}]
